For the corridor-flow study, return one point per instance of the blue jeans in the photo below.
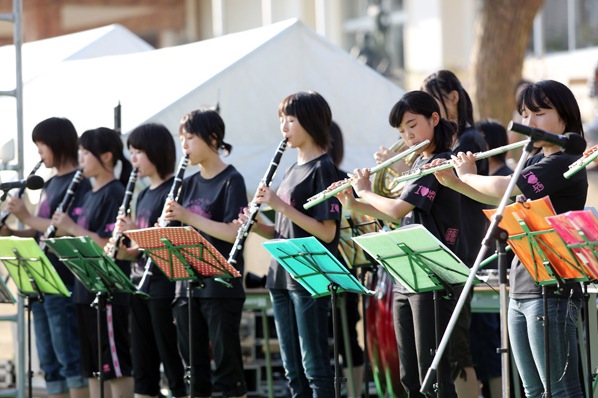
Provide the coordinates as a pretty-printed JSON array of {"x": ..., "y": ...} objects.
[
  {"x": 57, "y": 342},
  {"x": 302, "y": 329},
  {"x": 526, "y": 334}
]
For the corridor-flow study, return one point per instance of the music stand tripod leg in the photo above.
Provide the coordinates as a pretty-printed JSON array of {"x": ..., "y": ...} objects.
[
  {"x": 100, "y": 304},
  {"x": 333, "y": 288},
  {"x": 366, "y": 357}
]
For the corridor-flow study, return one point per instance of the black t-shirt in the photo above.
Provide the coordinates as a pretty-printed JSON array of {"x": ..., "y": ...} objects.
[
  {"x": 300, "y": 182},
  {"x": 54, "y": 191},
  {"x": 99, "y": 212},
  {"x": 150, "y": 203},
  {"x": 221, "y": 198},
  {"x": 437, "y": 208},
  {"x": 543, "y": 176},
  {"x": 474, "y": 223}
]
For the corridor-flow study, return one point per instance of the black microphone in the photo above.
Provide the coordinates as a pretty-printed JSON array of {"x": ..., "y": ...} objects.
[
  {"x": 572, "y": 143},
  {"x": 32, "y": 182}
]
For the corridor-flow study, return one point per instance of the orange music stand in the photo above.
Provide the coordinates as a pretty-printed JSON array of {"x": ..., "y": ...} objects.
[
  {"x": 536, "y": 243},
  {"x": 182, "y": 253}
]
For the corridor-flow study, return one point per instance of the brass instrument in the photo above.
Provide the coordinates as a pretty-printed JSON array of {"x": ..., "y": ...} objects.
[{"x": 384, "y": 182}]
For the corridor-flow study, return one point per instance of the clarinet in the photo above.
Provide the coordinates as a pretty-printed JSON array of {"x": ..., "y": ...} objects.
[
  {"x": 173, "y": 194},
  {"x": 64, "y": 205},
  {"x": 4, "y": 214},
  {"x": 124, "y": 210},
  {"x": 254, "y": 208}
]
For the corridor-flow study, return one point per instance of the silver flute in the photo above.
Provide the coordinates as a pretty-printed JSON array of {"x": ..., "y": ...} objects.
[{"x": 346, "y": 183}]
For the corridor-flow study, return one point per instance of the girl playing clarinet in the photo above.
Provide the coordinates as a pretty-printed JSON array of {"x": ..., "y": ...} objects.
[
  {"x": 211, "y": 200},
  {"x": 100, "y": 150},
  {"x": 302, "y": 321},
  {"x": 54, "y": 320},
  {"x": 153, "y": 334}
]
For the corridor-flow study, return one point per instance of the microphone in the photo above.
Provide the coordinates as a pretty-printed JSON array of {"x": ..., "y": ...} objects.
[
  {"x": 32, "y": 182},
  {"x": 572, "y": 143}
]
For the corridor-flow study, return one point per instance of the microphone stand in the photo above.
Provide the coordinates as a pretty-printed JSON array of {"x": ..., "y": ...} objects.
[{"x": 493, "y": 231}]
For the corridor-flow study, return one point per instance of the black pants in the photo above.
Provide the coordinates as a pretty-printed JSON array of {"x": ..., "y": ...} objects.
[
  {"x": 216, "y": 321},
  {"x": 154, "y": 341}
]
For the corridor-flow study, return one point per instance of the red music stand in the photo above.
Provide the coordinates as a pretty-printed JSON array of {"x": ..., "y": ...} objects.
[{"x": 182, "y": 253}]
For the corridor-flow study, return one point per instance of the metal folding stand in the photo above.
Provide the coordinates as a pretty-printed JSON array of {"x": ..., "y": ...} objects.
[
  {"x": 98, "y": 273},
  {"x": 421, "y": 263},
  {"x": 321, "y": 274}
]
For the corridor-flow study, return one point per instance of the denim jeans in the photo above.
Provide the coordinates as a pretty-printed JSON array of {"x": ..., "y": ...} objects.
[
  {"x": 526, "y": 334},
  {"x": 302, "y": 329},
  {"x": 57, "y": 342}
]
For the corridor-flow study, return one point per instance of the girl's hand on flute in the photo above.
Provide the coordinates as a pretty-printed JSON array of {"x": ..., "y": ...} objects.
[
  {"x": 464, "y": 163},
  {"x": 360, "y": 181}
]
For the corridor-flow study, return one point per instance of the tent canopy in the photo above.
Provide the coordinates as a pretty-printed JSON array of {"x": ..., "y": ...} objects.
[{"x": 247, "y": 74}]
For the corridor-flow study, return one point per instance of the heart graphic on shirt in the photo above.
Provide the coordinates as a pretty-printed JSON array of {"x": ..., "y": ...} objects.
[
  {"x": 532, "y": 179},
  {"x": 424, "y": 191}
]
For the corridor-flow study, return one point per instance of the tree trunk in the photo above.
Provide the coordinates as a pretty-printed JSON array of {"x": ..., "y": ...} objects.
[{"x": 502, "y": 35}]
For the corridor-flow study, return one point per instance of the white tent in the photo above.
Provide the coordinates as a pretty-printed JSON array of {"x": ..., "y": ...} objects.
[
  {"x": 40, "y": 56},
  {"x": 246, "y": 73}
]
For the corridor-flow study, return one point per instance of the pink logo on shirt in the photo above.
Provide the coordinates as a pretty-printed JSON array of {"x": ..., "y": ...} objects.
[
  {"x": 426, "y": 192},
  {"x": 533, "y": 180},
  {"x": 335, "y": 208}
]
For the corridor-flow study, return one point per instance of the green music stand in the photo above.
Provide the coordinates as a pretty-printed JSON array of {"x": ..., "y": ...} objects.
[
  {"x": 34, "y": 276},
  {"x": 420, "y": 262},
  {"x": 182, "y": 253},
  {"x": 321, "y": 274},
  {"x": 97, "y": 272}
]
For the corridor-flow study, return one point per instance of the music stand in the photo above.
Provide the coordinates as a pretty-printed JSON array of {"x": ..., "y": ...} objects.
[
  {"x": 34, "y": 276},
  {"x": 579, "y": 230},
  {"x": 355, "y": 224},
  {"x": 182, "y": 253},
  {"x": 97, "y": 272},
  {"x": 542, "y": 252},
  {"x": 420, "y": 262},
  {"x": 321, "y": 274}
]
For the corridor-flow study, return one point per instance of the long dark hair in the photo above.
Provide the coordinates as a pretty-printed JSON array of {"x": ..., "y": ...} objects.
[
  {"x": 422, "y": 103},
  {"x": 102, "y": 140},
  {"x": 60, "y": 136},
  {"x": 550, "y": 94},
  {"x": 156, "y": 141},
  {"x": 207, "y": 124},
  {"x": 313, "y": 113},
  {"x": 439, "y": 85}
]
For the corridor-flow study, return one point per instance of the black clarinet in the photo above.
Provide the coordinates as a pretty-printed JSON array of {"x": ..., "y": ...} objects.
[
  {"x": 254, "y": 208},
  {"x": 124, "y": 210},
  {"x": 173, "y": 194},
  {"x": 4, "y": 214},
  {"x": 67, "y": 200}
]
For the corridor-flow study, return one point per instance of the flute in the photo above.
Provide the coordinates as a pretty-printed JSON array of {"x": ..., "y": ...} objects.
[
  {"x": 173, "y": 194},
  {"x": 254, "y": 208},
  {"x": 588, "y": 157},
  {"x": 64, "y": 205},
  {"x": 4, "y": 214},
  {"x": 123, "y": 210},
  {"x": 346, "y": 183},
  {"x": 447, "y": 164}
]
